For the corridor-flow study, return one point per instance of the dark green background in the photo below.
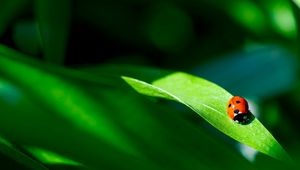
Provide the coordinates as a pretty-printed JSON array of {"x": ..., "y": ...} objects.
[{"x": 64, "y": 106}]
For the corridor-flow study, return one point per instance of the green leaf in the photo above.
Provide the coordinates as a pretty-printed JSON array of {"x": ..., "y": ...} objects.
[
  {"x": 63, "y": 93},
  {"x": 10, "y": 9},
  {"x": 48, "y": 157},
  {"x": 101, "y": 80},
  {"x": 27, "y": 37},
  {"x": 49, "y": 99},
  {"x": 54, "y": 21},
  {"x": 9, "y": 150},
  {"x": 209, "y": 101}
]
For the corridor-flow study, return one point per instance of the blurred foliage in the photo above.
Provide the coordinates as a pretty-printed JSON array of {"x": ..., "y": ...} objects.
[{"x": 64, "y": 105}]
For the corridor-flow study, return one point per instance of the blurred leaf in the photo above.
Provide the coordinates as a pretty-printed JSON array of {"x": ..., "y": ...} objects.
[
  {"x": 249, "y": 15},
  {"x": 209, "y": 101},
  {"x": 282, "y": 18},
  {"x": 26, "y": 36},
  {"x": 9, "y": 150},
  {"x": 297, "y": 2},
  {"x": 103, "y": 80},
  {"x": 9, "y": 10},
  {"x": 64, "y": 93},
  {"x": 272, "y": 114},
  {"x": 48, "y": 157},
  {"x": 61, "y": 117},
  {"x": 113, "y": 70},
  {"x": 53, "y": 18}
]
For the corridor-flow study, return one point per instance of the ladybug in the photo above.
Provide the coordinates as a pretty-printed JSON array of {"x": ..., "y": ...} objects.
[{"x": 238, "y": 110}]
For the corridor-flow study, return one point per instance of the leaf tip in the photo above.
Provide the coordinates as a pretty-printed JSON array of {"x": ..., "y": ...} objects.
[
  {"x": 127, "y": 79},
  {"x": 131, "y": 81}
]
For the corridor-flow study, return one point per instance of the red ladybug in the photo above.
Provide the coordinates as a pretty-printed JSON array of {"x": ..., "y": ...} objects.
[{"x": 238, "y": 110}]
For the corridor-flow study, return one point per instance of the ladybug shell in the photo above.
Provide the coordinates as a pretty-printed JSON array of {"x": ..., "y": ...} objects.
[{"x": 237, "y": 105}]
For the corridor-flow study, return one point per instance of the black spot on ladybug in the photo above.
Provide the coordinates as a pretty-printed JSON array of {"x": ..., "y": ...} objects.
[
  {"x": 244, "y": 119},
  {"x": 229, "y": 105},
  {"x": 236, "y": 111},
  {"x": 238, "y": 101}
]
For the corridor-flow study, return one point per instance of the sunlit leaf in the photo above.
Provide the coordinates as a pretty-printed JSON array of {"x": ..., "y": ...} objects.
[{"x": 209, "y": 101}]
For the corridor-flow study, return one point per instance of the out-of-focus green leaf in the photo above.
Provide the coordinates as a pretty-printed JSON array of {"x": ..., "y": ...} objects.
[
  {"x": 297, "y": 2},
  {"x": 48, "y": 157},
  {"x": 54, "y": 21},
  {"x": 282, "y": 18},
  {"x": 27, "y": 38},
  {"x": 272, "y": 114},
  {"x": 64, "y": 98},
  {"x": 113, "y": 70},
  {"x": 103, "y": 80},
  {"x": 9, "y": 10},
  {"x": 9, "y": 150},
  {"x": 210, "y": 101},
  {"x": 64, "y": 119},
  {"x": 249, "y": 15}
]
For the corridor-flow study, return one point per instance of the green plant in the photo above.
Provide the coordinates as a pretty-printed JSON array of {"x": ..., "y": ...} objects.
[{"x": 209, "y": 101}]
